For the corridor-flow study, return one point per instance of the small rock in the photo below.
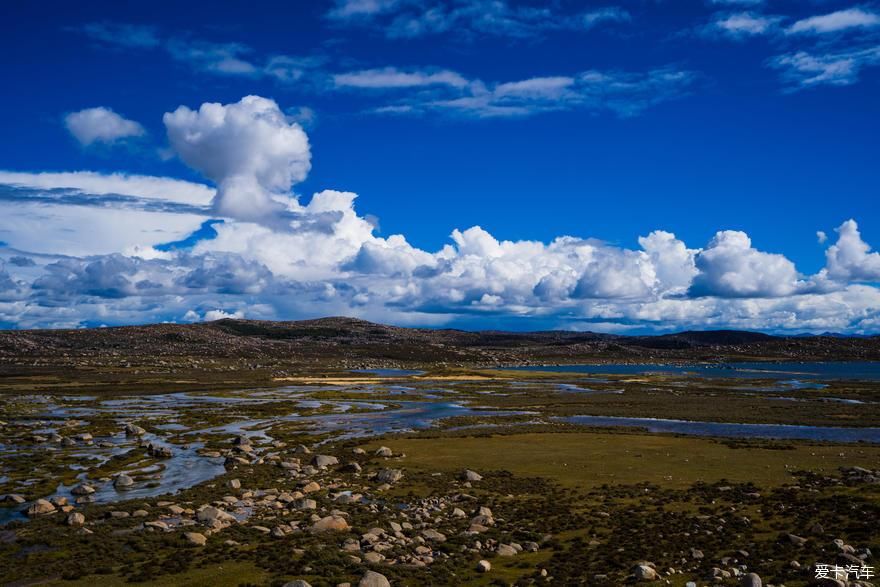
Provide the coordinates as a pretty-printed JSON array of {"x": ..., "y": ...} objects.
[
  {"x": 644, "y": 572},
  {"x": 750, "y": 580},
  {"x": 324, "y": 461},
  {"x": 133, "y": 430},
  {"x": 41, "y": 507},
  {"x": 484, "y": 566},
  {"x": 76, "y": 519},
  {"x": 384, "y": 451},
  {"x": 505, "y": 550},
  {"x": 195, "y": 538},
  {"x": 330, "y": 524},
  {"x": 389, "y": 475},
  {"x": 434, "y": 535},
  {"x": 297, "y": 583},
  {"x": 209, "y": 514},
  {"x": 374, "y": 558},
  {"x": 82, "y": 489},
  {"x": 305, "y": 504},
  {"x": 123, "y": 481},
  {"x": 351, "y": 468},
  {"x": 373, "y": 579},
  {"x": 468, "y": 475},
  {"x": 796, "y": 540}
]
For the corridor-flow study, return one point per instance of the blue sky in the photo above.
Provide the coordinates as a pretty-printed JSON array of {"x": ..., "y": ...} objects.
[{"x": 740, "y": 128}]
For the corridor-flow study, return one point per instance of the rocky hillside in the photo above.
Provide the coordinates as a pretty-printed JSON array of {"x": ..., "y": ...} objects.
[{"x": 351, "y": 340}]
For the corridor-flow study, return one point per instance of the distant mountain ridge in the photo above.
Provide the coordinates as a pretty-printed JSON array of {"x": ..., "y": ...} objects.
[{"x": 345, "y": 339}]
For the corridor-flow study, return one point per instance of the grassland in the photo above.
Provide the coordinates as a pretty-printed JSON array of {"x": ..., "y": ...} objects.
[
  {"x": 593, "y": 501},
  {"x": 591, "y": 459}
]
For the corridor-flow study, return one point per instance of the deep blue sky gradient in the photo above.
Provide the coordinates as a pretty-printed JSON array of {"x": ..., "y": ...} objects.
[{"x": 738, "y": 153}]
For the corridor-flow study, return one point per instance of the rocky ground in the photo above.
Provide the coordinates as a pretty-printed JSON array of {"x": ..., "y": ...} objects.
[
  {"x": 357, "y": 514},
  {"x": 312, "y": 475}
]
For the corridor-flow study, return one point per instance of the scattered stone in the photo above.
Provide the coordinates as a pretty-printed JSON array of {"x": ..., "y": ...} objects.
[
  {"x": 41, "y": 507},
  {"x": 389, "y": 475},
  {"x": 159, "y": 452},
  {"x": 505, "y": 550},
  {"x": 14, "y": 498},
  {"x": 434, "y": 535},
  {"x": 384, "y": 451},
  {"x": 468, "y": 475},
  {"x": 374, "y": 558},
  {"x": 311, "y": 487},
  {"x": 484, "y": 566},
  {"x": 373, "y": 579},
  {"x": 209, "y": 514},
  {"x": 195, "y": 538},
  {"x": 233, "y": 484},
  {"x": 76, "y": 519},
  {"x": 644, "y": 572},
  {"x": 82, "y": 489},
  {"x": 297, "y": 583},
  {"x": 324, "y": 461},
  {"x": 123, "y": 481},
  {"x": 330, "y": 523},
  {"x": 796, "y": 540},
  {"x": 133, "y": 430},
  {"x": 750, "y": 580}
]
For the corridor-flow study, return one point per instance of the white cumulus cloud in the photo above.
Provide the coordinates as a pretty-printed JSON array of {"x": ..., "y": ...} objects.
[
  {"x": 249, "y": 149},
  {"x": 87, "y": 249},
  {"x": 850, "y": 258},
  {"x": 101, "y": 125},
  {"x": 730, "y": 267}
]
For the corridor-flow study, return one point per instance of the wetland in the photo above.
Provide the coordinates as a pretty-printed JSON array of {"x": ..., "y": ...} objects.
[{"x": 674, "y": 473}]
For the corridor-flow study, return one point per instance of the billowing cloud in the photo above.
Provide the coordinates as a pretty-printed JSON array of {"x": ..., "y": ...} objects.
[
  {"x": 248, "y": 149},
  {"x": 90, "y": 249},
  {"x": 850, "y": 258},
  {"x": 100, "y": 125},
  {"x": 730, "y": 267}
]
